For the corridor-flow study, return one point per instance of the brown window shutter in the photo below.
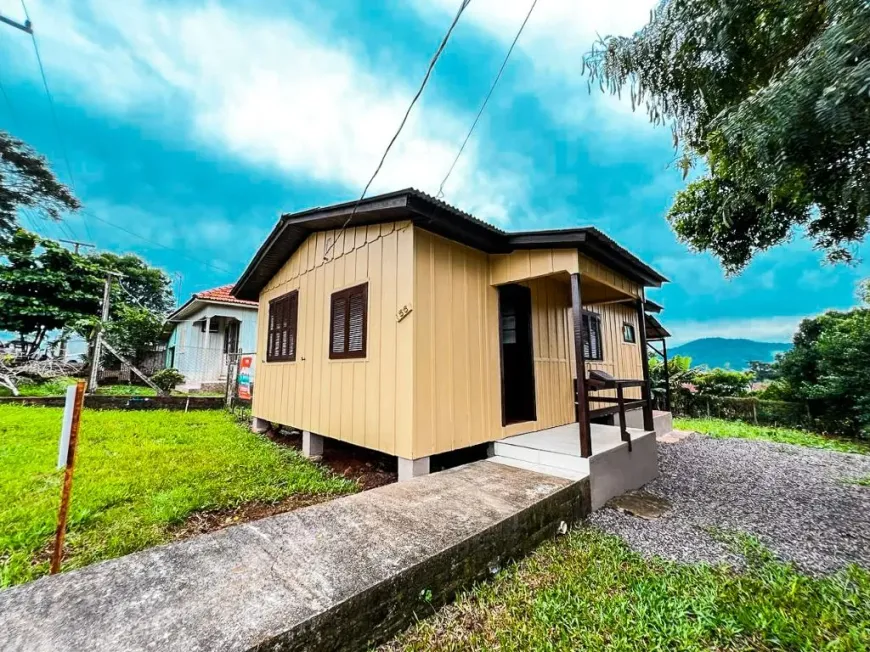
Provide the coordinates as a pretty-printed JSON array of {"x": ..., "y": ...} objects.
[
  {"x": 348, "y": 322},
  {"x": 339, "y": 320},
  {"x": 283, "y": 318}
]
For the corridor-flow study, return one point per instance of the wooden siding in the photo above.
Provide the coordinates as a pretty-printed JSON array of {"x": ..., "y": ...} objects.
[
  {"x": 527, "y": 264},
  {"x": 621, "y": 359},
  {"x": 366, "y": 401},
  {"x": 610, "y": 285},
  {"x": 457, "y": 374}
]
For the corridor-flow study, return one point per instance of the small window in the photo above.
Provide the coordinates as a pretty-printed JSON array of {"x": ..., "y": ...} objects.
[
  {"x": 283, "y": 313},
  {"x": 628, "y": 334},
  {"x": 348, "y": 316},
  {"x": 592, "y": 337},
  {"x": 212, "y": 326}
]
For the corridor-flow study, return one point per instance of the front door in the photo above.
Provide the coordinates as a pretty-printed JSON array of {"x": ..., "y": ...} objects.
[{"x": 517, "y": 356}]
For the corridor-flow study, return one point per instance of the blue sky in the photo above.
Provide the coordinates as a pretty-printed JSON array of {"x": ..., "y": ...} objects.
[{"x": 195, "y": 124}]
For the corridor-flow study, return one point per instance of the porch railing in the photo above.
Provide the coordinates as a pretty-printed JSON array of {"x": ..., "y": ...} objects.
[{"x": 621, "y": 404}]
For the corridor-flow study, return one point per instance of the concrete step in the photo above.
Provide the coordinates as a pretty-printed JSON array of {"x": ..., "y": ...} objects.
[
  {"x": 542, "y": 457},
  {"x": 566, "y": 474}
]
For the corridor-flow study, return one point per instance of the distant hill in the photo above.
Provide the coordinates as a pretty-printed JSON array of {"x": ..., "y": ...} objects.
[{"x": 728, "y": 354}]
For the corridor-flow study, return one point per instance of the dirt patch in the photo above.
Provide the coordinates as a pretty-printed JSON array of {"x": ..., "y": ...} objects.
[
  {"x": 370, "y": 469},
  {"x": 211, "y": 520}
]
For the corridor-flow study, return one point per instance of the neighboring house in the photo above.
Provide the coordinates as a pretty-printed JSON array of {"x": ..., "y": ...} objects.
[
  {"x": 419, "y": 329},
  {"x": 201, "y": 333}
]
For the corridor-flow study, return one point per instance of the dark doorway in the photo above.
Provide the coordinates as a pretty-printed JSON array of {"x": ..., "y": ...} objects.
[{"x": 517, "y": 357}]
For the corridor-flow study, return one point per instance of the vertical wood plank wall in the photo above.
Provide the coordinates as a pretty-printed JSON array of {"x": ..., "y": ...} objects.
[
  {"x": 457, "y": 374},
  {"x": 621, "y": 359},
  {"x": 365, "y": 401}
]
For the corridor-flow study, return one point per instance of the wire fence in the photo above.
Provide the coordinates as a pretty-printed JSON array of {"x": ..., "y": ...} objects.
[
  {"x": 748, "y": 409},
  {"x": 239, "y": 390}
]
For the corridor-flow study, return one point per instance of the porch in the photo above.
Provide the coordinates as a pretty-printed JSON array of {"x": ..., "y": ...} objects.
[{"x": 620, "y": 459}]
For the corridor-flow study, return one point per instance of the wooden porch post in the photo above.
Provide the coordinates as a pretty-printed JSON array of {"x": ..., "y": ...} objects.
[
  {"x": 582, "y": 405},
  {"x": 667, "y": 375},
  {"x": 645, "y": 390}
]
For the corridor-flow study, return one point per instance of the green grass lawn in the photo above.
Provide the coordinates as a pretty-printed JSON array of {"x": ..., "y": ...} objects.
[
  {"x": 741, "y": 430},
  {"x": 57, "y": 387},
  {"x": 589, "y": 591},
  {"x": 138, "y": 474}
]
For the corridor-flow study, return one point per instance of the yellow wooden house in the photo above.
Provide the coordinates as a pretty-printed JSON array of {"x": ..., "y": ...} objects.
[{"x": 416, "y": 329}]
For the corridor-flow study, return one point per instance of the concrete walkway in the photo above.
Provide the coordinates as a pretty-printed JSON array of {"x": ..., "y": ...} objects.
[{"x": 335, "y": 576}]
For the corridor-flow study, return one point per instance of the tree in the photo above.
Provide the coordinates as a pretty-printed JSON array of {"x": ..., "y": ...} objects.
[
  {"x": 680, "y": 374},
  {"x": 763, "y": 371},
  {"x": 774, "y": 97},
  {"x": 27, "y": 181},
  {"x": 723, "y": 382},
  {"x": 141, "y": 285},
  {"x": 829, "y": 366},
  {"x": 141, "y": 298},
  {"x": 44, "y": 287}
]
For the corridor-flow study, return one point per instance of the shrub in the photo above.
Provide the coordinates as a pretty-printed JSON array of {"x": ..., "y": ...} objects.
[{"x": 167, "y": 379}]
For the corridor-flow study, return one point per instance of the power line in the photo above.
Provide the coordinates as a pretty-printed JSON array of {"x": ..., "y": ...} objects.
[
  {"x": 158, "y": 244},
  {"x": 53, "y": 112},
  {"x": 486, "y": 99},
  {"x": 416, "y": 97}
]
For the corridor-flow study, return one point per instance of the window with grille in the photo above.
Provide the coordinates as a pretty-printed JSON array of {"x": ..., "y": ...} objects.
[
  {"x": 283, "y": 313},
  {"x": 628, "y": 334},
  {"x": 348, "y": 317},
  {"x": 231, "y": 337},
  {"x": 592, "y": 348}
]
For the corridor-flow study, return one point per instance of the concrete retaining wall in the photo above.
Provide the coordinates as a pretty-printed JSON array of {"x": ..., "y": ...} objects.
[
  {"x": 97, "y": 402},
  {"x": 340, "y": 576}
]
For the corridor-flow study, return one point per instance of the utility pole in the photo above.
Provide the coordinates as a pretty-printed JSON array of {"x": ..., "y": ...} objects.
[
  {"x": 27, "y": 26},
  {"x": 98, "y": 339},
  {"x": 76, "y": 244}
]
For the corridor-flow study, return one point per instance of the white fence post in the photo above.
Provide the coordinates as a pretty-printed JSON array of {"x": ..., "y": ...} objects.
[{"x": 66, "y": 428}]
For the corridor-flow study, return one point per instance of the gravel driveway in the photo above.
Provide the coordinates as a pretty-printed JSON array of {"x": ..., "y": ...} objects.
[{"x": 796, "y": 500}]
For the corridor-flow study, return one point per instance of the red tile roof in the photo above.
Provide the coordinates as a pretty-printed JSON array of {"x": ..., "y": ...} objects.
[{"x": 223, "y": 295}]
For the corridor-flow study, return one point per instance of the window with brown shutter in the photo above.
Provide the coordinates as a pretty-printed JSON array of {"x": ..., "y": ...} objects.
[
  {"x": 592, "y": 337},
  {"x": 348, "y": 315},
  {"x": 283, "y": 313}
]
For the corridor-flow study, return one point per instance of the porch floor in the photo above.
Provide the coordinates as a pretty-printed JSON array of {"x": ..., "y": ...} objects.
[
  {"x": 612, "y": 469},
  {"x": 566, "y": 439}
]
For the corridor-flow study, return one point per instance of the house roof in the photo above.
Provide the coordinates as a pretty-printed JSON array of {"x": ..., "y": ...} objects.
[
  {"x": 220, "y": 294},
  {"x": 654, "y": 329},
  {"x": 436, "y": 216}
]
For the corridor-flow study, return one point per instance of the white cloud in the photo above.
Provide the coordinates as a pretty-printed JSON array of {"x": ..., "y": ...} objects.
[
  {"x": 762, "y": 329},
  {"x": 558, "y": 35},
  {"x": 264, "y": 88}
]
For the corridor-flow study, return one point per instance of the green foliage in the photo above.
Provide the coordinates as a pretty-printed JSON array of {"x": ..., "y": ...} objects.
[
  {"x": 141, "y": 286},
  {"x": 774, "y": 97},
  {"x": 680, "y": 371},
  {"x": 167, "y": 379},
  {"x": 763, "y": 371},
  {"x": 723, "y": 382},
  {"x": 44, "y": 287},
  {"x": 829, "y": 366},
  {"x": 589, "y": 591},
  {"x": 740, "y": 430},
  {"x": 27, "y": 182},
  {"x": 777, "y": 390},
  {"x": 138, "y": 474},
  {"x": 133, "y": 329}
]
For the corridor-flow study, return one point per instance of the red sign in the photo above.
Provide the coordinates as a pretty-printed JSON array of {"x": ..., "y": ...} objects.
[{"x": 246, "y": 377}]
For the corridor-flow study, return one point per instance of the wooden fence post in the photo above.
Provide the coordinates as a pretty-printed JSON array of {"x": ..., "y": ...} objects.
[{"x": 66, "y": 492}]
